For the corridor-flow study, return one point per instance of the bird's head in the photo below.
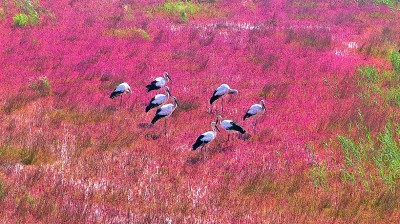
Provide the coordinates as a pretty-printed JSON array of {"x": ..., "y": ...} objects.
[
  {"x": 175, "y": 101},
  {"x": 263, "y": 104},
  {"x": 219, "y": 118},
  {"x": 214, "y": 126},
  {"x": 167, "y": 77},
  {"x": 233, "y": 91}
]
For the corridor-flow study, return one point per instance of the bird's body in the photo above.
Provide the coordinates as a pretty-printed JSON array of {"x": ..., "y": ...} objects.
[
  {"x": 206, "y": 137},
  {"x": 230, "y": 125},
  {"x": 158, "y": 100},
  {"x": 165, "y": 111},
  {"x": 255, "y": 109},
  {"x": 221, "y": 91},
  {"x": 159, "y": 82},
  {"x": 121, "y": 89}
]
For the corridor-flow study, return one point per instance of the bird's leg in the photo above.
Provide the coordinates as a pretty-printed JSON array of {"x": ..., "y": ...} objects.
[
  {"x": 120, "y": 102},
  {"x": 222, "y": 105},
  {"x": 229, "y": 134},
  {"x": 165, "y": 127}
]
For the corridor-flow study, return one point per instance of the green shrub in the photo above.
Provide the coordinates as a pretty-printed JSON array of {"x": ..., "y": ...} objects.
[
  {"x": 183, "y": 9},
  {"x": 21, "y": 19},
  {"x": 395, "y": 59},
  {"x": 2, "y": 193},
  {"x": 42, "y": 86},
  {"x": 388, "y": 159}
]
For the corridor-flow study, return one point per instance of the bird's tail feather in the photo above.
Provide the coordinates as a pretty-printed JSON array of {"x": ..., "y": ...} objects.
[
  {"x": 247, "y": 115},
  {"x": 214, "y": 98},
  {"x": 155, "y": 119},
  {"x": 196, "y": 145},
  {"x": 148, "y": 108},
  {"x": 115, "y": 94}
]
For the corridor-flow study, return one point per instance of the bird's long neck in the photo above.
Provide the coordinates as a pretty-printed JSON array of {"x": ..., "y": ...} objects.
[{"x": 214, "y": 130}]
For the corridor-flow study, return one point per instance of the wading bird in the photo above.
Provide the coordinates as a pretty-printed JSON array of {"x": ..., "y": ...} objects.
[
  {"x": 255, "y": 110},
  {"x": 158, "y": 82},
  {"x": 165, "y": 111},
  {"x": 120, "y": 90},
  {"x": 230, "y": 126},
  {"x": 206, "y": 137},
  {"x": 159, "y": 99},
  {"x": 221, "y": 91}
]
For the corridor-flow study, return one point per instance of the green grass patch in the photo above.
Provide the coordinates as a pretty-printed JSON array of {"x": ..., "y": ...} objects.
[
  {"x": 2, "y": 191},
  {"x": 28, "y": 13},
  {"x": 381, "y": 85},
  {"x": 42, "y": 86},
  {"x": 395, "y": 60},
  {"x": 390, "y": 3},
  {"x": 21, "y": 19},
  {"x": 186, "y": 10},
  {"x": 183, "y": 9}
]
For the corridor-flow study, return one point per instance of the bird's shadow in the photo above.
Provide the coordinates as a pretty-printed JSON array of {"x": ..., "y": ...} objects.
[
  {"x": 244, "y": 136},
  {"x": 195, "y": 159},
  {"x": 145, "y": 125},
  {"x": 152, "y": 136}
]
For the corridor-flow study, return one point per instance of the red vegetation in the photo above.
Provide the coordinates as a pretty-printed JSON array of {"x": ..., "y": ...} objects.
[{"x": 68, "y": 153}]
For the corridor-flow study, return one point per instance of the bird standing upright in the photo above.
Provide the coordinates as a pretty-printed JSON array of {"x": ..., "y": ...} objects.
[
  {"x": 159, "y": 99},
  {"x": 120, "y": 90},
  {"x": 230, "y": 125},
  {"x": 165, "y": 111},
  {"x": 206, "y": 137},
  {"x": 158, "y": 82},
  {"x": 222, "y": 91},
  {"x": 255, "y": 110}
]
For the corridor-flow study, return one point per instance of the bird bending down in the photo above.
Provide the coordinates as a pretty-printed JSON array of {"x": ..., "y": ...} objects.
[
  {"x": 255, "y": 110},
  {"x": 221, "y": 91},
  {"x": 230, "y": 125},
  {"x": 165, "y": 111},
  {"x": 158, "y": 82},
  {"x": 120, "y": 90},
  {"x": 206, "y": 137},
  {"x": 159, "y": 99}
]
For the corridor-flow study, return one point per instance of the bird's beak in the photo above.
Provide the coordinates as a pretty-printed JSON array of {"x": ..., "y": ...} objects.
[{"x": 217, "y": 128}]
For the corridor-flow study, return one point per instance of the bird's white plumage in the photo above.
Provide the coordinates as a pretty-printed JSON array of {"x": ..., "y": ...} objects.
[
  {"x": 208, "y": 136},
  {"x": 166, "y": 110},
  {"x": 223, "y": 90},
  {"x": 159, "y": 99},
  {"x": 226, "y": 124},
  {"x": 255, "y": 109},
  {"x": 160, "y": 81},
  {"x": 123, "y": 87}
]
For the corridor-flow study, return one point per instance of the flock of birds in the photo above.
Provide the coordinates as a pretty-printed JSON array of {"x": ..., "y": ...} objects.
[{"x": 167, "y": 109}]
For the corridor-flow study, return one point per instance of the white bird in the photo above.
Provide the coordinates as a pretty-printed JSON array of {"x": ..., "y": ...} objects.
[
  {"x": 159, "y": 99},
  {"x": 120, "y": 90},
  {"x": 221, "y": 91},
  {"x": 230, "y": 125},
  {"x": 206, "y": 137},
  {"x": 255, "y": 109},
  {"x": 165, "y": 111},
  {"x": 158, "y": 82}
]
